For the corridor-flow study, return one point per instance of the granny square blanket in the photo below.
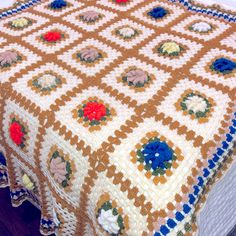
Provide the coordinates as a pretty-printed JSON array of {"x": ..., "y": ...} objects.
[{"x": 116, "y": 116}]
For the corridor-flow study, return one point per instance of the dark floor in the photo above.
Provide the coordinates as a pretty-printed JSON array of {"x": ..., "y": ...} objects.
[{"x": 20, "y": 221}]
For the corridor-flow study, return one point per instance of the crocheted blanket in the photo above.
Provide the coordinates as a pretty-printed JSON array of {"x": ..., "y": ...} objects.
[{"x": 116, "y": 115}]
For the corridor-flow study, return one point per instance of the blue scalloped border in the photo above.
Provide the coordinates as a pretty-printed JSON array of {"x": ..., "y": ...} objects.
[
  {"x": 179, "y": 216},
  {"x": 20, "y": 8},
  {"x": 207, "y": 10},
  {"x": 186, "y": 3}
]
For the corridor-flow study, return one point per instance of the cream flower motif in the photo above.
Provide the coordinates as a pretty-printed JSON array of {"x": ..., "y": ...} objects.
[
  {"x": 196, "y": 104},
  {"x": 127, "y": 32},
  {"x": 27, "y": 182},
  {"x": 108, "y": 221},
  {"x": 201, "y": 27},
  {"x": 137, "y": 76},
  {"x": 20, "y": 22},
  {"x": 58, "y": 169},
  {"x": 170, "y": 47},
  {"x": 47, "y": 80}
]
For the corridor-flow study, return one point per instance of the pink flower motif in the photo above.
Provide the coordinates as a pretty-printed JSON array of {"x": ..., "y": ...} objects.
[
  {"x": 90, "y": 16},
  {"x": 7, "y": 57},
  {"x": 137, "y": 76},
  {"x": 58, "y": 169},
  {"x": 89, "y": 54}
]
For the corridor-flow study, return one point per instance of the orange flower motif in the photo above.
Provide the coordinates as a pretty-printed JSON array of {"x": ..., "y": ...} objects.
[
  {"x": 94, "y": 110},
  {"x": 16, "y": 133},
  {"x": 52, "y": 36}
]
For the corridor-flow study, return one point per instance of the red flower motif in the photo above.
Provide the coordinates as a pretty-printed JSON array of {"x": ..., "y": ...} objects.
[
  {"x": 52, "y": 36},
  {"x": 94, "y": 110},
  {"x": 122, "y": 1},
  {"x": 16, "y": 133}
]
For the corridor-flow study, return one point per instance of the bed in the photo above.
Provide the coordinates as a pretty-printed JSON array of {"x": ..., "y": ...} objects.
[{"x": 117, "y": 116}]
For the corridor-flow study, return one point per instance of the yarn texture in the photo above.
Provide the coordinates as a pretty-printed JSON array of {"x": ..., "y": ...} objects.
[{"x": 116, "y": 115}]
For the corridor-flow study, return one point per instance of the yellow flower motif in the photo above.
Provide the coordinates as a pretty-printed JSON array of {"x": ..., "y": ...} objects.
[
  {"x": 170, "y": 47},
  {"x": 27, "y": 182},
  {"x": 20, "y": 22}
]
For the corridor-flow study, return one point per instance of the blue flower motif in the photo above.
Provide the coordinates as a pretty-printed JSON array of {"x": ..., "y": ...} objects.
[
  {"x": 58, "y": 4},
  {"x": 156, "y": 153},
  {"x": 223, "y": 65},
  {"x": 157, "y": 12}
]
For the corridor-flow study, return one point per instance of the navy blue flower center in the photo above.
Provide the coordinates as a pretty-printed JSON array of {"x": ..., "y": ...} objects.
[
  {"x": 157, "y": 12},
  {"x": 223, "y": 65},
  {"x": 58, "y": 4},
  {"x": 157, "y": 153}
]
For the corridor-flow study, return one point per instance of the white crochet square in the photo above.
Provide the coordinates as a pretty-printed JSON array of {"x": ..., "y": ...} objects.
[
  {"x": 142, "y": 13},
  {"x": 95, "y": 138},
  {"x": 71, "y": 5},
  {"x": 230, "y": 41},
  {"x": 158, "y": 79},
  {"x": 28, "y": 58},
  {"x": 218, "y": 27},
  {"x": 158, "y": 194},
  {"x": 11, "y": 108},
  {"x": 151, "y": 52},
  {"x": 111, "y": 35},
  {"x": 74, "y": 18},
  {"x": 36, "y": 20},
  {"x": 79, "y": 163},
  {"x": 44, "y": 101},
  {"x": 202, "y": 68},
  {"x": 103, "y": 184},
  {"x": 111, "y": 54},
  {"x": 52, "y": 47},
  {"x": 120, "y": 7},
  {"x": 207, "y": 129}
]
